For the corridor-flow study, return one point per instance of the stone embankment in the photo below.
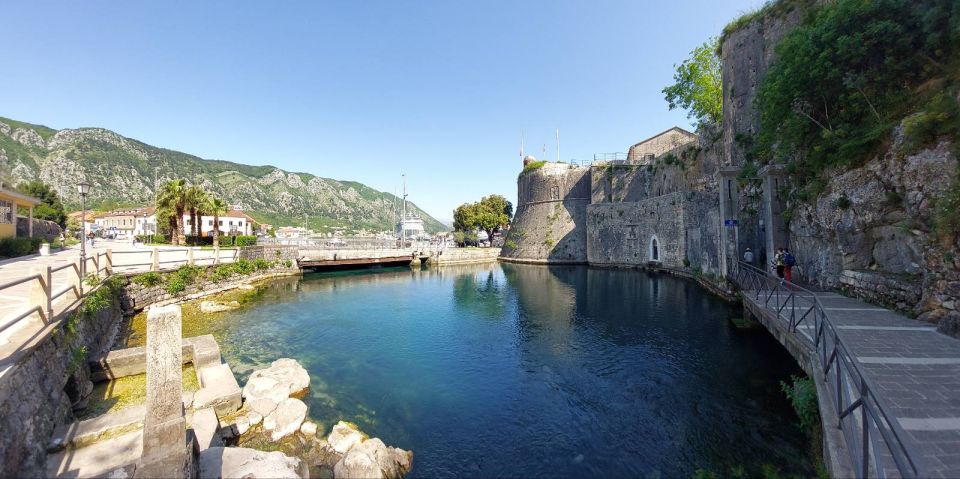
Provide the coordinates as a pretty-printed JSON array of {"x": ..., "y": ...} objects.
[{"x": 452, "y": 256}]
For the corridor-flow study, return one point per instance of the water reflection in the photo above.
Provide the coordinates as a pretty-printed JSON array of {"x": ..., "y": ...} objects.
[{"x": 520, "y": 370}]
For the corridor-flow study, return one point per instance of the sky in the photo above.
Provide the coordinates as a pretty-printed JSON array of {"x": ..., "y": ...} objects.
[{"x": 360, "y": 90}]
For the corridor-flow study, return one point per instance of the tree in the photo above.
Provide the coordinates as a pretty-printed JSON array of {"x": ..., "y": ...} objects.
[
  {"x": 698, "y": 86},
  {"x": 171, "y": 204},
  {"x": 489, "y": 214},
  {"x": 50, "y": 207},
  {"x": 216, "y": 207},
  {"x": 196, "y": 200}
]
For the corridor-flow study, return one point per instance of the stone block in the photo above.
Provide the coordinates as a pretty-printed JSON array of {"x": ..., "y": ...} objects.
[
  {"x": 220, "y": 390},
  {"x": 206, "y": 429}
]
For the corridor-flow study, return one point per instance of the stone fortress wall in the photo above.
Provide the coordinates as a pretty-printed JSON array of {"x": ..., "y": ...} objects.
[
  {"x": 619, "y": 211},
  {"x": 550, "y": 221}
]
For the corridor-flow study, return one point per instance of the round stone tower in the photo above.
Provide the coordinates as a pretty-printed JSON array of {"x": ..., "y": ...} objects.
[{"x": 551, "y": 216}]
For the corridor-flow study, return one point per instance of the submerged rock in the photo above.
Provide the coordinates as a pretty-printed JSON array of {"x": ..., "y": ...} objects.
[
  {"x": 216, "y": 307},
  {"x": 237, "y": 462},
  {"x": 286, "y": 419}
]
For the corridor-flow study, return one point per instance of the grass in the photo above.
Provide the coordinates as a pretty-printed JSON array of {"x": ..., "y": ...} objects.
[
  {"x": 533, "y": 165},
  {"x": 121, "y": 393}
]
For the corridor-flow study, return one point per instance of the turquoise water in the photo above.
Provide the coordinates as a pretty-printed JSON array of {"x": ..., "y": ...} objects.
[{"x": 510, "y": 370}]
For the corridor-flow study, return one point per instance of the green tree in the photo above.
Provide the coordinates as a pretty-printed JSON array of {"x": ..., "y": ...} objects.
[
  {"x": 50, "y": 207},
  {"x": 490, "y": 214},
  {"x": 698, "y": 86},
  {"x": 216, "y": 207},
  {"x": 171, "y": 204}
]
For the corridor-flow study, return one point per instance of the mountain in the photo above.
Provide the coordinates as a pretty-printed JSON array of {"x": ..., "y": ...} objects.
[{"x": 122, "y": 170}]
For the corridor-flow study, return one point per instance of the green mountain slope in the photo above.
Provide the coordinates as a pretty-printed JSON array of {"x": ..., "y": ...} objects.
[{"x": 122, "y": 172}]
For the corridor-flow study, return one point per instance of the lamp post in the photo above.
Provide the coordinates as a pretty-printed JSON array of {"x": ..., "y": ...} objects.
[{"x": 83, "y": 187}]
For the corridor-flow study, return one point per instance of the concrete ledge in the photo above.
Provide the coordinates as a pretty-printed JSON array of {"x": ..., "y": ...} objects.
[
  {"x": 540, "y": 261},
  {"x": 202, "y": 351}
]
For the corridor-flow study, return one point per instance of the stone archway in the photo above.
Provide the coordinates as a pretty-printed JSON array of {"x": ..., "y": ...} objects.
[{"x": 654, "y": 248}]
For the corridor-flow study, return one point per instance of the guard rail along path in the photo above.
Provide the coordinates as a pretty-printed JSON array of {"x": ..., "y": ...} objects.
[
  {"x": 876, "y": 442},
  {"x": 31, "y": 302}
]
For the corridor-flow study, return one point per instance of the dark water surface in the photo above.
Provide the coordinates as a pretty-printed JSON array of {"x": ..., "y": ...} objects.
[{"x": 509, "y": 370}]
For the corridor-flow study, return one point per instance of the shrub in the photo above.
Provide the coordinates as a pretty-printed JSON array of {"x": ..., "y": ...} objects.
[
  {"x": 147, "y": 279},
  {"x": 243, "y": 266},
  {"x": 175, "y": 284},
  {"x": 13, "y": 247},
  {"x": 946, "y": 220},
  {"x": 803, "y": 395},
  {"x": 157, "y": 239},
  {"x": 223, "y": 272},
  {"x": 511, "y": 244},
  {"x": 287, "y": 263},
  {"x": 188, "y": 274},
  {"x": 244, "y": 240},
  {"x": 261, "y": 264},
  {"x": 77, "y": 356}
]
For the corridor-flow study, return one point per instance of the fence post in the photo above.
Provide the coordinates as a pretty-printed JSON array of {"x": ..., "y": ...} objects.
[
  {"x": 39, "y": 295},
  {"x": 216, "y": 255},
  {"x": 109, "y": 265},
  {"x": 155, "y": 259},
  {"x": 96, "y": 264},
  {"x": 78, "y": 282},
  {"x": 189, "y": 256}
]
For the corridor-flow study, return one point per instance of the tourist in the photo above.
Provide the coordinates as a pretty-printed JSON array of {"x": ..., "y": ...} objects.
[
  {"x": 748, "y": 256},
  {"x": 63, "y": 240},
  {"x": 788, "y": 262},
  {"x": 778, "y": 262}
]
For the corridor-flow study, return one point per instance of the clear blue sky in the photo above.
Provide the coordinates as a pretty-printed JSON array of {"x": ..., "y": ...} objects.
[{"x": 360, "y": 90}]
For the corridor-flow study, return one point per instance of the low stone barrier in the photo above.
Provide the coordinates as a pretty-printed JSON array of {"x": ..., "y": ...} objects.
[
  {"x": 898, "y": 292},
  {"x": 451, "y": 256}
]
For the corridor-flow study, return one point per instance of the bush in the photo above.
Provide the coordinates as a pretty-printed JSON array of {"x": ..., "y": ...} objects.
[
  {"x": 803, "y": 395},
  {"x": 244, "y": 240},
  {"x": 147, "y": 279},
  {"x": 156, "y": 239},
  {"x": 189, "y": 273},
  {"x": 243, "y": 266},
  {"x": 175, "y": 284},
  {"x": 13, "y": 247},
  {"x": 261, "y": 264},
  {"x": 287, "y": 263},
  {"x": 223, "y": 272},
  {"x": 77, "y": 356},
  {"x": 201, "y": 241}
]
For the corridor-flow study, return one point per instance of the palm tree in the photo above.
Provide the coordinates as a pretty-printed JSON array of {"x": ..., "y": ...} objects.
[
  {"x": 173, "y": 200},
  {"x": 216, "y": 207},
  {"x": 196, "y": 199}
]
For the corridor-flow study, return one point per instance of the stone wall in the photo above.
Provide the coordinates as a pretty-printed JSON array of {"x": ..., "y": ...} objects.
[
  {"x": 270, "y": 253},
  {"x": 137, "y": 296},
  {"x": 38, "y": 389},
  {"x": 684, "y": 225},
  {"x": 550, "y": 220},
  {"x": 451, "y": 256}
]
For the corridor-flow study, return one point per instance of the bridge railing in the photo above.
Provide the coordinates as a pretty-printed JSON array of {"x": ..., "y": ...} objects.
[
  {"x": 876, "y": 442},
  {"x": 345, "y": 243}
]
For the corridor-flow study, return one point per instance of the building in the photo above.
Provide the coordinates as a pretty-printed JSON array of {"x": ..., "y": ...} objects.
[
  {"x": 645, "y": 151},
  {"x": 128, "y": 221},
  {"x": 411, "y": 227},
  {"x": 232, "y": 223},
  {"x": 9, "y": 202},
  {"x": 293, "y": 232}
]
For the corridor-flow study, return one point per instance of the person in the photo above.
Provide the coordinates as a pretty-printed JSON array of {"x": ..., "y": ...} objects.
[
  {"x": 788, "y": 263},
  {"x": 748, "y": 256},
  {"x": 63, "y": 240},
  {"x": 778, "y": 262}
]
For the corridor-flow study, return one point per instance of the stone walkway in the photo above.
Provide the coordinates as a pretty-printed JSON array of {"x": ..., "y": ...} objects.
[{"x": 915, "y": 370}]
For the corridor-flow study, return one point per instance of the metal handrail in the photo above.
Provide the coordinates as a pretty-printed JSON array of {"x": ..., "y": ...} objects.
[{"x": 843, "y": 377}]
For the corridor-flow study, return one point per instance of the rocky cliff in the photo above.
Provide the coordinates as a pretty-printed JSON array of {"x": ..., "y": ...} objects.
[{"x": 122, "y": 171}]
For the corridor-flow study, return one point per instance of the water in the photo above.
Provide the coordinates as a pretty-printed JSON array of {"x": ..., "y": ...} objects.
[{"x": 531, "y": 371}]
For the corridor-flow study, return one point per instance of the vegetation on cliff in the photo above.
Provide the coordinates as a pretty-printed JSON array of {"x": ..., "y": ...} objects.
[{"x": 698, "y": 85}]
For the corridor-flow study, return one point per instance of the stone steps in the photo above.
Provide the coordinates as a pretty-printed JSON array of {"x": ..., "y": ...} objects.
[{"x": 98, "y": 459}]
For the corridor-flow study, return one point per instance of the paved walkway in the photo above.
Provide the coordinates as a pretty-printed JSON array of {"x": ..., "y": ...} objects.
[
  {"x": 127, "y": 257},
  {"x": 915, "y": 369}
]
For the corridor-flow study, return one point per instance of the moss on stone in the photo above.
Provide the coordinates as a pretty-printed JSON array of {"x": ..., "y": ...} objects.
[{"x": 121, "y": 393}]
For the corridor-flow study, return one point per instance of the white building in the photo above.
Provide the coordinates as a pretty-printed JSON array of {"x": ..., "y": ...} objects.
[
  {"x": 411, "y": 227},
  {"x": 232, "y": 223},
  {"x": 127, "y": 221}
]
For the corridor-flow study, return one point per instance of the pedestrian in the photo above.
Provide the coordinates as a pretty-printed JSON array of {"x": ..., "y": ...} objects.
[
  {"x": 748, "y": 256},
  {"x": 63, "y": 240},
  {"x": 789, "y": 261},
  {"x": 778, "y": 262}
]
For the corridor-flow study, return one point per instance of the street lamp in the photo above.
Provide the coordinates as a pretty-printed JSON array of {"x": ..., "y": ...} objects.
[{"x": 83, "y": 187}]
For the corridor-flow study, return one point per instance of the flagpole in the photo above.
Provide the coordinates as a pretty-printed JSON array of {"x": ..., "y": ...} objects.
[{"x": 558, "y": 145}]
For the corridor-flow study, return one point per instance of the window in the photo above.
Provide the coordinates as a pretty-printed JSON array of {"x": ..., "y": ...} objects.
[
  {"x": 654, "y": 249},
  {"x": 221, "y": 222},
  {"x": 6, "y": 212},
  {"x": 209, "y": 222}
]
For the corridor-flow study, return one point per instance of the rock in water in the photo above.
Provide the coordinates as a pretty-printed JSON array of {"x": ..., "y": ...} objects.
[
  {"x": 264, "y": 387},
  {"x": 344, "y": 436},
  {"x": 236, "y": 462},
  {"x": 286, "y": 419},
  {"x": 372, "y": 458},
  {"x": 309, "y": 428},
  {"x": 287, "y": 372},
  {"x": 215, "y": 307}
]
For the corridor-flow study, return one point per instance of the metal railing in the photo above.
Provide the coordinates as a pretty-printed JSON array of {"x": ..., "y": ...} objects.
[
  {"x": 43, "y": 293},
  {"x": 877, "y": 444}
]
